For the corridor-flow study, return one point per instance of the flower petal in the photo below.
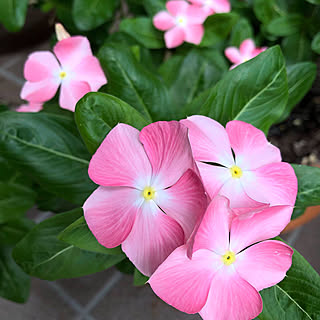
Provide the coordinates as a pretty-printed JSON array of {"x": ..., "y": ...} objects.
[
  {"x": 174, "y": 37},
  {"x": 121, "y": 160},
  {"x": 234, "y": 55},
  {"x": 31, "y": 107},
  {"x": 209, "y": 140},
  {"x": 250, "y": 146},
  {"x": 177, "y": 7},
  {"x": 194, "y": 33},
  {"x": 196, "y": 15},
  {"x": 168, "y": 148},
  {"x": 153, "y": 237},
  {"x": 264, "y": 264},
  {"x": 275, "y": 183},
  {"x": 184, "y": 283},
  {"x": 220, "y": 6},
  {"x": 163, "y": 21},
  {"x": 246, "y": 231},
  {"x": 110, "y": 213},
  {"x": 247, "y": 47},
  {"x": 185, "y": 201}
]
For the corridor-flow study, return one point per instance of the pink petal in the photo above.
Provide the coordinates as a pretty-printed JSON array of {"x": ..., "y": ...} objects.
[
  {"x": 257, "y": 51},
  {"x": 247, "y": 47},
  {"x": 40, "y": 91},
  {"x": 110, "y": 213},
  {"x": 177, "y": 7},
  {"x": 185, "y": 201},
  {"x": 174, "y": 37},
  {"x": 196, "y": 15},
  {"x": 163, "y": 21},
  {"x": 71, "y": 51},
  {"x": 184, "y": 283},
  {"x": 234, "y": 55},
  {"x": 209, "y": 140},
  {"x": 168, "y": 148},
  {"x": 213, "y": 233},
  {"x": 220, "y": 6},
  {"x": 90, "y": 71},
  {"x": 31, "y": 107},
  {"x": 71, "y": 92},
  {"x": 275, "y": 183},
  {"x": 231, "y": 297},
  {"x": 41, "y": 65},
  {"x": 194, "y": 33},
  {"x": 264, "y": 264},
  {"x": 263, "y": 225},
  {"x": 121, "y": 160},
  {"x": 251, "y": 146},
  {"x": 153, "y": 237}
]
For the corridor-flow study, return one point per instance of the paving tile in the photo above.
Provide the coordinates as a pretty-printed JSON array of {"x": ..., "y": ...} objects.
[
  {"x": 43, "y": 303},
  {"x": 9, "y": 93},
  {"x": 126, "y": 302}
]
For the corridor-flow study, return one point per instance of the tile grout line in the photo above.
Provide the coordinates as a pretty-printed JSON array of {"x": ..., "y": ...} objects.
[
  {"x": 42, "y": 215},
  {"x": 10, "y": 76},
  {"x": 294, "y": 236},
  {"x": 10, "y": 63}
]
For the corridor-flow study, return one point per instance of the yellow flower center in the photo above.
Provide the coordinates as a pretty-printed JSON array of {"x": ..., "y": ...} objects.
[
  {"x": 236, "y": 172},
  {"x": 149, "y": 193},
  {"x": 229, "y": 258},
  {"x": 62, "y": 74}
]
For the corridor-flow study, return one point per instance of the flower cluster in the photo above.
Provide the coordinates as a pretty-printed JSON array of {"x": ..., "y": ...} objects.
[
  {"x": 184, "y": 21},
  {"x": 192, "y": 204}
]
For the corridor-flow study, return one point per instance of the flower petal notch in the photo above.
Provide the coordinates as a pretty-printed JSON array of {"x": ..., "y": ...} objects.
[{"x": 150, "y": 198}]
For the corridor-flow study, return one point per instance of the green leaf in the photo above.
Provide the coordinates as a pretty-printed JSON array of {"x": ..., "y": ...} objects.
[
  {"x": 255, "y": 92},
  {"x": 134, "y": 83},
  {"x": 240, "y": 32},
  {"x": 286, "y": 25},
  {"x": 217, "y": 28},
  {"x": 314, "y": 1},
  {"x": 13, "y": 13},
  {"x": 48, "y": 148},
  {"x": 143, "y": 31},
  {"x": 154, "y": 6},
  {"x": 97, "y": 113},
  {"x": 41, "y": 254},
  {"x": 89, "y": 14},
  {"x": 79, "y": 235},
  {"x": 316, "y": 43},
  {"x": 265, "y": 11},
  {"x": 139, "y": 279}
]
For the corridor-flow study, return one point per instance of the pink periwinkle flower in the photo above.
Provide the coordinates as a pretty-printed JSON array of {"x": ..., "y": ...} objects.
[
  {"x": 247, "y": 51},
  {"x": 30, "y": 107},
  {"x": 182, "y": 22},
  {"x": 255, "y": 172},
  {"x": 229, "y": 265},
  {"x": 213, "y": 6},
  {"x": 149, "y": 199},
  {"x": 72, "y": 66}
]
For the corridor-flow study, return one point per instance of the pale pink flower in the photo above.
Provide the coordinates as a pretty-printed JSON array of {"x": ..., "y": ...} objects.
[
  {"x": 229, "y": 264},
  {"x": 183, "y": 22},
  {"x": 213, "y": 6},
  {"x": 254, "y": 172},
  {"x": 149, "y": 199},
  {"x": 30, "y": 107},
  {"x": 73, "y": 67},
  {"x": 247, "y": 51}
]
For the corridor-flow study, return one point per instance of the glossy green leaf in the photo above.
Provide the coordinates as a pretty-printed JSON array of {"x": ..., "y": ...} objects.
[
  {"x": 286, "y": 25},
  {"x": 265, "y": 11},
  {"x": 97, "y": 113},
  {"x": 314, "y": 1},
  {"x": 13, "y": 13},
  {"x": 13, "y": 231},
  {"x": 48, "y": 148},
  {"x": 89, "y": 14},
  {"x": 41, "y": 254},
  {"x": 154, "y": 6},
  {"x": 139, "y": 279},
  {"x": 79, "y": 235},
  {"x": 240, "y": 32},
  {"x": 316, "y": 43},
  {"x": 296, "y": 48},
  {"x": 134, "y": 83}
]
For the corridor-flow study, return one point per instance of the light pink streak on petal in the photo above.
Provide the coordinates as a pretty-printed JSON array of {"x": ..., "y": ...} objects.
[
  {"x": 174, "y": 37},
  {"x": 264, "y": 264},
  {"x": 213, "y": 233},
  {"x": 220, "y": 6},
  {"x": 110, "y": 213},
  {"x": 163, "y": 21},
  {"x": 194, "y": 33},
  {"x": 234, "y": 55},
  {"x": 209, "y": 140},
  {"x": 261, "y": 226},
  {"x": 274, "y": 183},
  {"x": 184, "y": 283},
  {"x": 39, "y": 91},
  {"x": 121, "y": 160},
  {"x": 31, "y": 107},
  {"x": 185, "y": 201},
  {"x": 195, "y": 15},
  {"x": 177, "y": 7},
  {"x": 71, "y": 92},
  {"x": 250, "y": 145},
  {"x": 153, "y": 237},
  {"x": 168, "y": 148},
  {"x": 247, "y": 47},
  {"x": 90, "y": 71},
  {"x": 231, "y": 297},
  {"x": 41, "y": 65},
  {"x": 71, "y": 51}
]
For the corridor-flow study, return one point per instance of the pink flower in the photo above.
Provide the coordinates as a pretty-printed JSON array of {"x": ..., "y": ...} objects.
[
  {"x": 183, "y": 22},
  {"x": 255, "y": 172},
  {"x": 30, "y": 107},
  {"x": 247, "y": 51},
  {"x": 213, "y": 6},
  {"x": 149, "y": 199},
  {"x": 73, "y": 67},
  {"x": 229, "y": 265}
]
